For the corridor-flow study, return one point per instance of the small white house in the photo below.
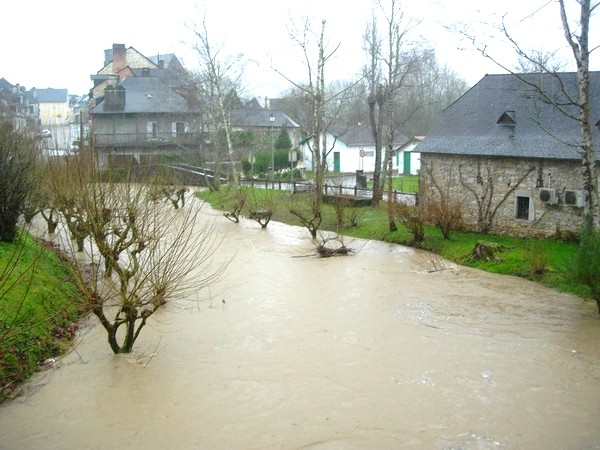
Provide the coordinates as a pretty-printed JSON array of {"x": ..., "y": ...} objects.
[
  {"x": 407, "y": 160},
  {"x": 354, "y": 150}
]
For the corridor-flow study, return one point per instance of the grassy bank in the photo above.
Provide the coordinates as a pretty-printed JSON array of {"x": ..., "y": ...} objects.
[
  {"x": 544, "y": 261},
  {"x": 38, "y": 308}
]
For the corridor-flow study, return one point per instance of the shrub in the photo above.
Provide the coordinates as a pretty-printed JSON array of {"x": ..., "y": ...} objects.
[
  {"x": 585, "y": 267},
  {"x": 17, "y": 162},
  {"x": 412, "y": 218}
]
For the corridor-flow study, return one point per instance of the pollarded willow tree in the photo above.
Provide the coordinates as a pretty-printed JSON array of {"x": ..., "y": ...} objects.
[{"x": 141, "y": 253}]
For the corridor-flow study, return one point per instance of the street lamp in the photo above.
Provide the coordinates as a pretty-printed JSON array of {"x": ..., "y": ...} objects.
[{"x": 272, "y": 120}]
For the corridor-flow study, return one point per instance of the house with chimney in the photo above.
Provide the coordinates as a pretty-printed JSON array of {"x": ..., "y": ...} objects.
[{"x": 141, "y": 107}]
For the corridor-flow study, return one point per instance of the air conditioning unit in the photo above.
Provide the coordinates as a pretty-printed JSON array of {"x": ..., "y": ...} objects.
[
  {"x": 573, "y": 198},
  {"x": 548, "y": 196}
]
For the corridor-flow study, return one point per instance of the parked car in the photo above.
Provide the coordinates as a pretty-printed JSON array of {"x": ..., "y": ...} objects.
[{"x": 46, "y": 133}]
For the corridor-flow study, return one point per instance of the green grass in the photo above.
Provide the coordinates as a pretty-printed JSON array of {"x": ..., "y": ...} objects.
[
  {"x": 38, "y": 307},
  {"x": 519, "y": 257},
  {"x": 402, "y": 183}
]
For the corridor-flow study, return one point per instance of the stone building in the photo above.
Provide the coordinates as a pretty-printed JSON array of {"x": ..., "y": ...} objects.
[{"x": 508, "y": 157}]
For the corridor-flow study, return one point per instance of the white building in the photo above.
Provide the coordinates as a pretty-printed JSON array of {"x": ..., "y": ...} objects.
[{"x": 354, "y": 150}]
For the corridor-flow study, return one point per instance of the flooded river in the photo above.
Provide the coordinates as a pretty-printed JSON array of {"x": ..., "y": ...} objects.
[{"x": 290, "y": 351}]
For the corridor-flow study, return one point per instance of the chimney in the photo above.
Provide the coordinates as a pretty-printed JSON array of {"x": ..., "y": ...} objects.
[
  {"x": 119, "y": 54},
  {"x": 161, "y": 63},
  {"x": 267, "y": 103},
  {"x": 108, "y": 56}
]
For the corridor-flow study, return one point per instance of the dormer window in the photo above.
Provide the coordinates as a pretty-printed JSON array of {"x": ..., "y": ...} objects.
[
  {"x": 507, "y": 118},
  {"x": 145, "y": 71}
]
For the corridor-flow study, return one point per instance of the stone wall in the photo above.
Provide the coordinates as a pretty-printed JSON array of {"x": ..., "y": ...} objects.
[{"x": 504, "y": 188}]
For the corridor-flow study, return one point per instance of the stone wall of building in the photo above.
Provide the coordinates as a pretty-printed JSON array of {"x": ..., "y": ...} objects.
[{"x": 507, "y": 188}]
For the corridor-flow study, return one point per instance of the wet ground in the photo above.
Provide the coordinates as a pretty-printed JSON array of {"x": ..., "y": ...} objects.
[{"x": 292, "y": 351}]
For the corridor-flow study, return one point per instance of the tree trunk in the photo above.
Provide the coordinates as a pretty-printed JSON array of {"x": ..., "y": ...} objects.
[{"x": 581, "y": 53}]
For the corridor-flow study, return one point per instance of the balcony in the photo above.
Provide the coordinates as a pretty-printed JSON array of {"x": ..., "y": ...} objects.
[{"x": 148, "y": 140}]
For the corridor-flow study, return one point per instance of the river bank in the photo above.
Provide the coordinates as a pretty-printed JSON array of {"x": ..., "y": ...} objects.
[{"x": 295, "y": 351}]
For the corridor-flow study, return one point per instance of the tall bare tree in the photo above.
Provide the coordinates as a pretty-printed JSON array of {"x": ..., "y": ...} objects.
[
  {"x": 579, "y": 44},
  {"x": 218, "y": 77},
  {"x": 391, "y": 61},
  {"x": 375, "y": 101},
  {"x": 316, "y": 55}
]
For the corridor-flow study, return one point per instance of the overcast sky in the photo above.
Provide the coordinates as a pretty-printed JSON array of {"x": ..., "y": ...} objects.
[{"x": 59, "y": 44}]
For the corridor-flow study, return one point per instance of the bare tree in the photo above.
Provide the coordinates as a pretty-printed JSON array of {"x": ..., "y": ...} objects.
[
  {"x": 391, "y": 62},
  {"x": 429, "y": 89},
  {"x": 441, "y": 208},
  {"x": 218, "y": 78},
  {"x": 579, "y": 44},
  {"x": 141, "y": 253},
  {"x": 316, "y": 96},
  {"x": 484, "y": 195},
  {"x": 376, "y": 100},
  {"x": 538, "y": 61}
]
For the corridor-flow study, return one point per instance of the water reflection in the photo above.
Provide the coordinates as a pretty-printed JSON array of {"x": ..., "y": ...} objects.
[{"x": 367, "y": 351}]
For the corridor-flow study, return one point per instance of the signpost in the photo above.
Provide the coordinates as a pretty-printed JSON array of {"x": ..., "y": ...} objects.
[
  {"x": 361, "y": 153},
  {"x": 292, "y": 159},
  {"x": 252, "y": 160}
]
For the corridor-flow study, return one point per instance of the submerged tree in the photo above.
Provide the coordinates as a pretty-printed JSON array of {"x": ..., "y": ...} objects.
[{"x": 142, "y": 253}]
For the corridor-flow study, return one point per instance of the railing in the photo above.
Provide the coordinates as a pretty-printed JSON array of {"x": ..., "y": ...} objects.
[
  {"x": 410, "y": 198},
  {"x": 146, "y": 139}
]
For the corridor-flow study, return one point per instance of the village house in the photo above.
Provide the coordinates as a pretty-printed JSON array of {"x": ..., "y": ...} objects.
[
  {"x": 19, "y": 106},
  {"x": 142, "y": 107},
  {"x": 54, "y": 107},
  {"x": 508, "y": 157},
  {"x": 139, "y": 108},
  {"x": 354, "y": 149}
]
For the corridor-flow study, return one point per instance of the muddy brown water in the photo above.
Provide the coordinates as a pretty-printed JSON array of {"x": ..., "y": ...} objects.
[{"x": 291, "y": 351}]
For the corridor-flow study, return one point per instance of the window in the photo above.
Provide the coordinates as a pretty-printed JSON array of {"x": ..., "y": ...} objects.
[
  {"x": 152, "y": 130},
  {"x": 522, "y": 208},
  {"x": 179, "y": 128}
]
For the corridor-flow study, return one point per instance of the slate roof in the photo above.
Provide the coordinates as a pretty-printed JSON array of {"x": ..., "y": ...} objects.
[
  {"x": 169, "y": 77},
  {"x": 167, "y": 58},
  {"x": 259, "y": 118},
  {"x": 147, "y": 95},
  {"x": 503, "y": 116},
  {"x": 51, "y": 95},
  {"x": 362, "y": 135}
]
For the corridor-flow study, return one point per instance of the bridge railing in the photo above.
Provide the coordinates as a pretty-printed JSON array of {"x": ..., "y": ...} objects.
[{"x": 409, "y": 198}]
